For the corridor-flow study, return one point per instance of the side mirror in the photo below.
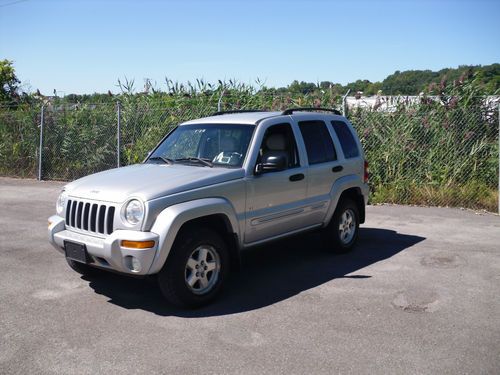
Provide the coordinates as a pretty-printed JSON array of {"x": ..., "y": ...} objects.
[{"x": 271, "y": 163}]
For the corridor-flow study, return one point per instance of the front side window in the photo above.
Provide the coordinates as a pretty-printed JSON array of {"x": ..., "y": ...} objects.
[
  {"x": 319, "y": 144},
  {"x": 279, "y": 140},
  {"x": 347, "y": 141},
  {"x": 217, "y": 145}
]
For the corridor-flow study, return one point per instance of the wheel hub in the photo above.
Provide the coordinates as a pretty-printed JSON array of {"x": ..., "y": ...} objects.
[
  {"x": 347, "y": 226},
  {"x": 202, "y": 269}
]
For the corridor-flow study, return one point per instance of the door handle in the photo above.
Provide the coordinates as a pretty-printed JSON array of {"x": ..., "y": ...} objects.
[
  {"x": 297, "y": 177},
  {"x": 337, "y": 168}
]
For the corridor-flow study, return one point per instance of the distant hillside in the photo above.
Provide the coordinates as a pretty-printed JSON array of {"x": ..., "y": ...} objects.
[
  {"x": 415, "y": 81},
  {"x": 409, "y": 82}
]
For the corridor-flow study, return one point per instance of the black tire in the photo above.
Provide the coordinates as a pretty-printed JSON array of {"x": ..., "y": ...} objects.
[
  {"x": 172, "y": 278},
  {"x": 81, "y": 268},
  {"x": 333, "y": 238}
]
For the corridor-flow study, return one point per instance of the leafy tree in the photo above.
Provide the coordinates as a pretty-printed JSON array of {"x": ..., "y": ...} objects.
[
  {"x": 359, "y": 85},
  {"x": 302, "y": 87},
  {"x": 8, "y": 82},
  {"x": 373, "y": 88},
  {"x": 490, "y": 77}
]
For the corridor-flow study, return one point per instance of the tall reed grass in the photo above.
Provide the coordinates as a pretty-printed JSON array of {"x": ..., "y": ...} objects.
[{"x": 441, "y": 153}]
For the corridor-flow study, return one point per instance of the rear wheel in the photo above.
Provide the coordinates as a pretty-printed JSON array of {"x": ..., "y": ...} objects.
[
  {"x": 196, "y": 268},
  {"x": 341, "y": 234}
]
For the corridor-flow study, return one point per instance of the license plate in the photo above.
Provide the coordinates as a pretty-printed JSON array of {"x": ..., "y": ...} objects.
[{"x": 76, "y": 251}]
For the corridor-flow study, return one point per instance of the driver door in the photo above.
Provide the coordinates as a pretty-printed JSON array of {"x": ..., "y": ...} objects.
[{"x": 275, "y": 199}]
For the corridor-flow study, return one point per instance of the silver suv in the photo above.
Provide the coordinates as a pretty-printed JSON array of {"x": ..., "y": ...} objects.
[{"x": 211, "y": 188}]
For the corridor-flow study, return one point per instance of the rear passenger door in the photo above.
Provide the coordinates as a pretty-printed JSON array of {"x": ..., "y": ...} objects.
[{"x": 324, "y": 166}]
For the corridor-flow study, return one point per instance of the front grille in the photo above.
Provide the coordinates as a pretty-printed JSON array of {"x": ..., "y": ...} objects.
[{"x": 90, "y": 216}]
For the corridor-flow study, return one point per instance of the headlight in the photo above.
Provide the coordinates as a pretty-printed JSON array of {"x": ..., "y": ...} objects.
[
  {"x": 61, "y": 202},
  {"x": 134, "y": 212}
]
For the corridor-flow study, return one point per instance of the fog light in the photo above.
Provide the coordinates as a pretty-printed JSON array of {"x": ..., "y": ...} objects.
[{"x": 132, "y": 263}]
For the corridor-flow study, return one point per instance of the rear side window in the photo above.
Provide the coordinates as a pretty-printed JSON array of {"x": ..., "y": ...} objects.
[
  {"x": 347, "y": 141},
  {"x": 319, "y": 144}
]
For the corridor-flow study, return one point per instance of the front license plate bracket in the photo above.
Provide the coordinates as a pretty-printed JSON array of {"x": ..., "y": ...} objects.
[{"x": 76, "y": 251}]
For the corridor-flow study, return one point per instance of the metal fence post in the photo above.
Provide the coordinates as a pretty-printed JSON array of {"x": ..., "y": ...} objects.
[
  {"x": 344, "y": 104},
  {"x": 40, "y": 148},
  {"x": 118, "y": 146},
  {"x": 219, "y": 103},
  {"x": 498, "y": 109}
]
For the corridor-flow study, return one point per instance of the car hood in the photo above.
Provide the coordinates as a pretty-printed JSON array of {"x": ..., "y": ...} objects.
[{"x": 148, "y": 181}]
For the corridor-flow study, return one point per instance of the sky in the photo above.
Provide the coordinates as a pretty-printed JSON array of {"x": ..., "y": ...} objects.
[{"x": 85, "y": 46}]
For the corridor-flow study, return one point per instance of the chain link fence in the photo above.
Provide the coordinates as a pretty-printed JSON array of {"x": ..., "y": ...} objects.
[
  {"x": 19, "y": 141},
  {"x": 78, "y": 140},
  {"x": 433, "y": 154}
]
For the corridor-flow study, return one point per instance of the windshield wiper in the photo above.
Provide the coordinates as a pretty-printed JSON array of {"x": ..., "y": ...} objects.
[
  {"x": 164, "y": 159},
  {"x": 206, "y": 162}
]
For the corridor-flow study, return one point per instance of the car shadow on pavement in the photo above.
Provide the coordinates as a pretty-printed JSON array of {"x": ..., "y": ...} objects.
[{"x": 269, "y": 274}]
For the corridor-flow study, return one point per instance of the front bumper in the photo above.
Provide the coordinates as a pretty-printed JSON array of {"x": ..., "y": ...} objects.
[{"x": 107, "y": 252}]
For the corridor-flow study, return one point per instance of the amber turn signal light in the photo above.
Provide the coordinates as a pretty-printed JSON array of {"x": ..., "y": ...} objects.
[{"x": 138, "y": 244}]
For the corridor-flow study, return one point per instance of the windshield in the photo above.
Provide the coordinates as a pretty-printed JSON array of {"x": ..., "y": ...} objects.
[{"x": 217, "y": 145}]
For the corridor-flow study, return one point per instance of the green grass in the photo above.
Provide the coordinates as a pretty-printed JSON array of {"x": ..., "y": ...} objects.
[{"x": 474, "y": 195}]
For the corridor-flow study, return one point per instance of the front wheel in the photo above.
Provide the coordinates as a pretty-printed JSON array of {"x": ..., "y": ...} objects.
[
  {"x": 341, "y": 233},
  {"x": 196, "y": 268}
]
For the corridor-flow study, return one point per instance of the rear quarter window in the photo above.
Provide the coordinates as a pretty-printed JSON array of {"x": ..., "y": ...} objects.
[{"x": 347, "y": 141}]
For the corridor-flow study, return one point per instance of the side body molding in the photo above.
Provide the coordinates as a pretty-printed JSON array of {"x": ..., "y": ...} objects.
[
  {"x": 171, "y": 219},
  {"x": 340, "y": 185}
]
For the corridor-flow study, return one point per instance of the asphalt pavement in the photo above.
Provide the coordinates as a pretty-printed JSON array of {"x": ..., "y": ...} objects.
[{"x": 419, "y": 295}]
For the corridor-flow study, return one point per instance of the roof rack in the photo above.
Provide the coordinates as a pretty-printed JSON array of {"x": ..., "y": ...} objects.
[
  {"x": 291, "y": 110},
  {"x": 236, "y": 111}
]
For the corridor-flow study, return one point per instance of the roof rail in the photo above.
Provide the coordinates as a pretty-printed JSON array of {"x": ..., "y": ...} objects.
[
  {"x": 291, "y": 110},
  {"x": 236, "y": 111}
]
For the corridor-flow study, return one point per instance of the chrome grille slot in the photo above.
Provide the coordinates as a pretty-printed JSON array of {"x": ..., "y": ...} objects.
[
  {"x": 93, "y": 218},
  {"x": 109, "y": 220},
  {"x": 89, "y": 217},
  {"x": 73, "y": 213},
  {"x": 100, "y": 219},
  {"x": 79, "y": 214},
  {"x": 68, "y": 211},
  {"x": 86, "y": 216}
]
